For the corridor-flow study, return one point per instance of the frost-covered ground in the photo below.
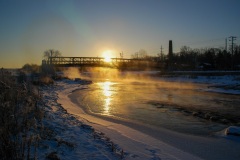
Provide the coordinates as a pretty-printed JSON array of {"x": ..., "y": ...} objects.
[
  {"x": 65, "y": 137},
  {"x": 72, "y": 134}
]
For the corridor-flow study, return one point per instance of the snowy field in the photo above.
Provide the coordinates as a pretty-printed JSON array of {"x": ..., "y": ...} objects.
[{"x": 75, "y": 135}]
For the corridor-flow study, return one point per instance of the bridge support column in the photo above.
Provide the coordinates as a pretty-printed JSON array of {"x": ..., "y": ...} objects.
[{"x": 47, "y": 68}]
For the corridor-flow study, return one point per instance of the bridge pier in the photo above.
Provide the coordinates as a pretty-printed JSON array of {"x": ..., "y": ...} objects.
[{"x": 47, "y": 68}]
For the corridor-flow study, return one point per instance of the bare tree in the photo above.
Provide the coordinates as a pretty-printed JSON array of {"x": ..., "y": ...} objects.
[
  {"x": 141, "y": 54},
  {"x": 51, "y": 53},
  {"x": 32, "y": 68},
  {"x": 135, "y": 55}
]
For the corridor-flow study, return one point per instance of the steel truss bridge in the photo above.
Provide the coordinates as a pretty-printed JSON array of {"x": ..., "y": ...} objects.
[{"x": 98, "y": 62}]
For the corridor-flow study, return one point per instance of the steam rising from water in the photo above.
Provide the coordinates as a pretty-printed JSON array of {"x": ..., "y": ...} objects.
[
  {"x": 72, "y": 73},
  {"x": 154, "y": 100},
  {"x": 110, "y": 74},
  {"x": 138, "y": 77}
]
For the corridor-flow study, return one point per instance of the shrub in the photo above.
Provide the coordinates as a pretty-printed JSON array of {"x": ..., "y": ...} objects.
[{"x": 20, "y": 118}]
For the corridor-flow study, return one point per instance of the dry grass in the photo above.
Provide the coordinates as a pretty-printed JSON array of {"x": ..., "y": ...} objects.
[{"x": 20, "y": 118}]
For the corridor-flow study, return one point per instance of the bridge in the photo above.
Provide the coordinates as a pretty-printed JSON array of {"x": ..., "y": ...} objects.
[
  {"x": 83, "y": 61},
  {"x": 99, "y": 62}
]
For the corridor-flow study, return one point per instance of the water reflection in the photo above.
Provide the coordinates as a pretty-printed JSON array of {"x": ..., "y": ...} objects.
[
  {"x": 107, "y": 92},
  {"x": 160, "y": 103}
]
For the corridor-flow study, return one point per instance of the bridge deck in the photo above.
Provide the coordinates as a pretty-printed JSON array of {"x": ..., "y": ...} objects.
[
  {"x": 94, "y": 61},
  {"x": 85, "y": 60}
]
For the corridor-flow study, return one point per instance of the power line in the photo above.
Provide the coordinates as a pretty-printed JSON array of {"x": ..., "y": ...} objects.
[{"x": 202, "y": 41}]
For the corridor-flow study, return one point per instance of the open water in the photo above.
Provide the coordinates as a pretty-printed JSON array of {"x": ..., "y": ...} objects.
[{"x": 159, "y": 103}]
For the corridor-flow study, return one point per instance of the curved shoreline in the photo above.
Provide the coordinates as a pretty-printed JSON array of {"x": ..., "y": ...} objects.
[
  {"x": 145, "y": 128},
  {"x": 123, "y": 132}
]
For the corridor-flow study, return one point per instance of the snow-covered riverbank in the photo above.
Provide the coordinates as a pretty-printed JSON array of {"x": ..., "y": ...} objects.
[
  {"x": 135, "y": 144},
  {"x": 147, "y": 145},
  {"x": 76, "y": 128},
  {"x": 66, "y": 136}
]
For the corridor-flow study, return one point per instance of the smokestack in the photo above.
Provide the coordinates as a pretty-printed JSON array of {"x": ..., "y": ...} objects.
[
  {"x": 170, "y": 55},
  {"x": 170, "y": 48}
]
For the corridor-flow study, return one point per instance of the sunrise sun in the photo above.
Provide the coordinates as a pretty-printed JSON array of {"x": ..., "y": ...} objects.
[{"x": 107, "y": 55}]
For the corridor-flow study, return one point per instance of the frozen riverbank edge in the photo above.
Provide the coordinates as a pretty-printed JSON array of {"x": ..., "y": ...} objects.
[
  {"x": 136, "y": 145},
  {"x": 66, "y": 137},
  {"x": 149, "y": 144}
]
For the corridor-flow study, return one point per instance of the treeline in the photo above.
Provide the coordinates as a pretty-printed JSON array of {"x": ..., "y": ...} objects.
[
  {"x": 205, "y": 59},
  {"x": 195, "y": 59}
]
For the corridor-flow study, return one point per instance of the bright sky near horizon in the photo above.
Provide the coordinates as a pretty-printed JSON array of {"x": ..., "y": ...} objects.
[{"x": 90, "y": 27}]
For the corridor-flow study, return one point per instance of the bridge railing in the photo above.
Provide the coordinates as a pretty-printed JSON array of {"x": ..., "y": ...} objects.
[
  {"x": 97, "y": 61},
  {"x": 75, "y": 60},
  {"x": 83, "y": 60}
]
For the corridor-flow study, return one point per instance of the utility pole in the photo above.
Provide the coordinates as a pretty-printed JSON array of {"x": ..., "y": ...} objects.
[
  {"x": 161, "y": 53},
  {"x": 121, "y": 54},
  {"x": 232, "y": 39},
  {"x": 226, "y": 44}
]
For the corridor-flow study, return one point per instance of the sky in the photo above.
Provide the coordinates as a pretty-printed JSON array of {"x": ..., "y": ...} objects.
[{"x": 84, "y": 28}]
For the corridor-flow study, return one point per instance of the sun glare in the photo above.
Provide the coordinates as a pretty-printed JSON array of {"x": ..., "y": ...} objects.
[
  {"x": 107, "y": 92},
  {"x": 107, "y": 55}
]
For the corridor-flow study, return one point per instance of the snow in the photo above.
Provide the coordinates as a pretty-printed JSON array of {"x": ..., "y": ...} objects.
[
  {"x": 136, "y": 145},
  {"x": 224, "y": 80},
  {"x": 68, "y": 138},
  {"x": 233, "y": 130},
  {"x": 227, "y": 84},
  {"x": 82, "y": 136}
]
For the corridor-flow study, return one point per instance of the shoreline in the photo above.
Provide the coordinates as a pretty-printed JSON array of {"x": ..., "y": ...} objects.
[
  {"x": 138, "y": 145},
  {"x": 126, "y": 134}
]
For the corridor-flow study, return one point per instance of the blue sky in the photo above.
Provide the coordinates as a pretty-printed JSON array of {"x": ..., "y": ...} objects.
[{"x": 88, "y": 28}]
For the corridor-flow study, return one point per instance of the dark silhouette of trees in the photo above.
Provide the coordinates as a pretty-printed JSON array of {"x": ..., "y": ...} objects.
[
  {"x": 195, "y": 59},
  {"x": 223, "y": 60},
  {"x": 141, "y": 54},
  {"x": 47, "y": 62},
  {"x": 51, "y": 53},
  {"x": 206, "y": 59},
  {"x": 236, "y": 57},
  {"x": 31, "y": 68},
  {"x": 187, "y": 57}
]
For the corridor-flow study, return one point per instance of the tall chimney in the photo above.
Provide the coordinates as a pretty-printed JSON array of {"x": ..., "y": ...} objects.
[{"x": 170, "y": 53}]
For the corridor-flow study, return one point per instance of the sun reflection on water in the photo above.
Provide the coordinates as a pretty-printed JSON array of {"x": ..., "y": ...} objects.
[{"x": 107, "y": 92}]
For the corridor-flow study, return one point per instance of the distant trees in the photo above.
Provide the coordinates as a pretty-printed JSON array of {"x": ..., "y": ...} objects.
[
  {"x": 31, "y": 68},
  {"x": 46, "y": 68},
  {"x": 51, "y": 53},
  {"x": 141, "y": 54},
  {"x": 187, "y": 56},
  {"x": 196, "y": 59},
  {"x": 208, "y": 58}
]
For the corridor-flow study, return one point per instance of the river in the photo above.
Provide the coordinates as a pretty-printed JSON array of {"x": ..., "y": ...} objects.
[{"x": 157, "y": 102}]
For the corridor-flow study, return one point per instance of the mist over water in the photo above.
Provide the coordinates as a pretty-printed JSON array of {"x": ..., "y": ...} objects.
[
  {"x": 72, "y": 73},
  {"x": 137, "y": 96}
]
